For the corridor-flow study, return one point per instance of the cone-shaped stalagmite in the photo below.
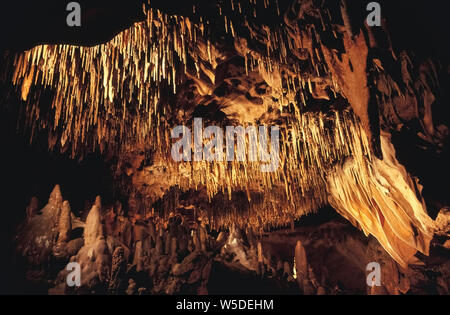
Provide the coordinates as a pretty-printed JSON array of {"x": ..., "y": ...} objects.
[
  {"x": 55, "y": 196},
  {"x": 65, "y": 223},
  {"x": 301, "y": 264},
  {"x": 94, "y": 257},
  {"x": 38, "y": 237},
  {"x": 98, "y": 202},
  {"x": 93, "y": 229},
  {"x": 53, "y": 208},
  {"x": 64, "y": 229}
]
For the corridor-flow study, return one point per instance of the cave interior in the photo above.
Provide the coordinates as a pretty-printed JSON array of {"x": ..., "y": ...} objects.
[{"x": 89, "y": 174}]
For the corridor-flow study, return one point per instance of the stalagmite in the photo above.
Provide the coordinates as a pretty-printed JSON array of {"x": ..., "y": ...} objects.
[
  {"x": 202, "y": 234},
  {"x": 38, "y": 240},
  {"x": 196, "y": 240},
  {"x": 98, "y": 203},
  {"x": 260, "y": 259},
  {"x": 159, "y": 244},
  {"x": 64, "y": 229},
  {"x": 140, "y": 232},
  {"x": 138, "y": 256},
  {"x": 94, "y": 257},
  {"x": 173, "y": 247},
  {"x": 93, "y": 229},
  {"x": 301, "y": 265},
  {"x": 167, "y": 242},
  {"x": 65, "y": 224},
  {"x": 55, "y": 198},
  {"x": 152, "y": 231}
]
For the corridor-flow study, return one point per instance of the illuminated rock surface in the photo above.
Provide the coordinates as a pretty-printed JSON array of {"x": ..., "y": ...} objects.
[{"x": 363, "y": 129}]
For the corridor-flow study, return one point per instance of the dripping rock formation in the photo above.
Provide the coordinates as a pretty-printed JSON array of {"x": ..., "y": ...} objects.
[{"x": 364, "y": 142}]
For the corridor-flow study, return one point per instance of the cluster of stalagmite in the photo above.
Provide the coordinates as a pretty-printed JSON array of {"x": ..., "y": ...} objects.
[
  {"x": 112, "y": 249},
  {"x": 46, "y": 232},
  {"x": 156, "y": 256},
  {"x": 121, "y": 254},
  {"x": 253, "y": 252}
]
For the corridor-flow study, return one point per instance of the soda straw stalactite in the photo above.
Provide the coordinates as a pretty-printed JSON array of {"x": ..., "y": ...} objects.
[{"x": 118, "y": 95}]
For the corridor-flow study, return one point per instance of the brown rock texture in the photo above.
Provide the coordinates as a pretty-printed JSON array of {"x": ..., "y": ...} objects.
[{"x": 363, "y": 129}]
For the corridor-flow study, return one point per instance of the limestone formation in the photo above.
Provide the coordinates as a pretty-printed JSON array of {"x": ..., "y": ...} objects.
[
  {"x": 381, "y": 198},
  {"x": 94, "y": 257},
  {"x": 359, "y": 145},
  {"x": 301, "y": 265},
  {"x": 65, "y": 223}
]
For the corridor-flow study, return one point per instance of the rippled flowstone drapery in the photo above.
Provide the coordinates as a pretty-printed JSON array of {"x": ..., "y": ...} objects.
[{"x": 382, "y": 199}]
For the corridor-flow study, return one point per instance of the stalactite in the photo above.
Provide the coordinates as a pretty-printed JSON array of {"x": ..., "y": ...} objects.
[{"x": 119, "y": 96}]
